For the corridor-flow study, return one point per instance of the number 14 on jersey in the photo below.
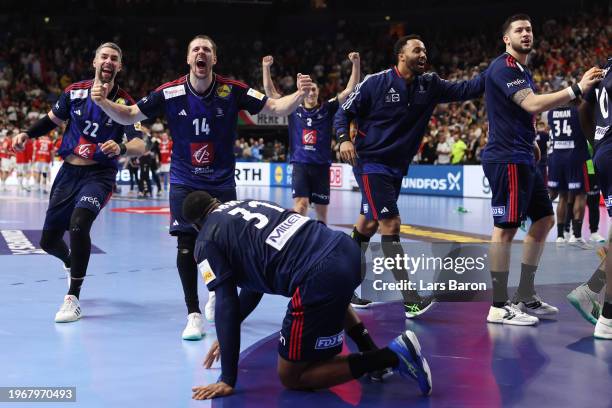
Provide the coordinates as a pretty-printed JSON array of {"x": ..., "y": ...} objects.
[{"x": 201, "y": 126}]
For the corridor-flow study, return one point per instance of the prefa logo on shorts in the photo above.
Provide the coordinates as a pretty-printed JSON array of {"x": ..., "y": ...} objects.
[
  {"x": 309, "y": 137},
  {"x": 516, "y": 82},
  {"x": 85, "y": 149},
  {"x": 281, "y": 234},
  {"x": 202, "y": 154},
  {"x": 498, "y": 211},
  {"x": 91, "y": 200},
  {"x": 336, "y": 340}
]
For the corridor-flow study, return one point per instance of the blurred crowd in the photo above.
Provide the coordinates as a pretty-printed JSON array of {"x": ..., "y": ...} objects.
[{"x": 34, "y": 68}]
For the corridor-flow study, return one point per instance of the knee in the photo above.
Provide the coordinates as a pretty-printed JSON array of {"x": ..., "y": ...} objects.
[
  {"x": 301, "y": 206},
  {"x": 47, "y": 240},
  {"x": 369, "y": 228},
  {"x": 390, "y": 226},
  {"x": 185, "y": 244},
  {"x": 290, "y": 380},
  {"x": 81, "y": 220}
]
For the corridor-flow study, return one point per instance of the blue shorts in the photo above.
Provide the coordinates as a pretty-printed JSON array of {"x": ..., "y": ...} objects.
[
  {"x": 566, "y": 175},
  {"x": 313, "y": 328},
  {"x": 178, "y": 192},
  {"x": 311, "y": 181},
  {"x": 518, "y": 191},
  {"x": 87, "y": 187},
  {"x": 379, "y": 194},
  {"x": 603, "y": 168}
]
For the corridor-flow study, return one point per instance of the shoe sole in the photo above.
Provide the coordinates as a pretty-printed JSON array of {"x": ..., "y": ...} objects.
[
  {"x": 410, "y": 315},
  {"x": 193, "y": 338},
  {"x": 356, "y": 306},
  {"x": 587, "y": 316},
  {"x": 581, "y": 245},
  {"x": 512, "y": 322},
  {"x": 68, "y": 321},
  {"x": 530, "y": 312},
  {"x": 386, "y": 374},
  {"x": 415, "y": 349}
]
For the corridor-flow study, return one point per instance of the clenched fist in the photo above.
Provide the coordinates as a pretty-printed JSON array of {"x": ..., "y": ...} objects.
[
  {"x": 99, "y": 93},
  {"x": 267, "y": 61}
]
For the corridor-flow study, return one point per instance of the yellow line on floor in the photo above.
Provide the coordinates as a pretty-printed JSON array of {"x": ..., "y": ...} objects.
[{"x": 444, "y": 236}]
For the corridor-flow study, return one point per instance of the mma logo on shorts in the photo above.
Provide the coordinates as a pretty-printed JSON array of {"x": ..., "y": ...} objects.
[
  {"x": 329, "y": 342},
  {"x": 498, "y": 211}
]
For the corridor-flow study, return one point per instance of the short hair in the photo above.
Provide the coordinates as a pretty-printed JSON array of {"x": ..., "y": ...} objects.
[
  {"x": 399, "y": 44},
  {"x": 512, "y": 19},
  {"x": 197, "y": 204},
  {"x": 110, "y": 45},
  {"x": 202, "y": 37}
]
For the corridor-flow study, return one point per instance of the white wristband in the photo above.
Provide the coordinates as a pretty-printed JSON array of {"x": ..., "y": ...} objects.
[{"x": 571, "y": 92}]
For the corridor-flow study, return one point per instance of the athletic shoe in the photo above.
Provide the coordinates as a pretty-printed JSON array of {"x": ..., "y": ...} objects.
[
  {"x": 585, "y": 301},
  {"x": 579, "y": 242},
  {"x": 70, "y": 311},
  {"x": 537, "y": 308},
  {"x": 566, "y": 234},
  {"x": 411, "y": 363},
  {"x": 359, "y": 303},
  {"x": 603, "y": 328},
  {"x": 209, "y": 309},
  {"x": 414, "y": 309},
  {"x": 381, "y": 375},
  {"x": 597, "y": 237},
  {"x": 195, "y": 327},
  {"x": 510, "y": 314},
  {"x": 560, "y": 241}
]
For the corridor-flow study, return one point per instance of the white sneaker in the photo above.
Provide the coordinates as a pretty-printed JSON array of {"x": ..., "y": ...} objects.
[
  {"x": 510, "y": 314},
  {"x": 603, "y": 328},
  {"x": 195, "y": 327},
  {"x": 566, "y": 235},
  {"x": 560, "y": 241},
  {"x": 538, "y": 308},
  {"x": 70, "y": 311},
  {"x": 585, "y": 301},
  {"x": 597, "y": 237},
  {"x": 209, "y": 309},
  {"x": 579, "y": 242}
]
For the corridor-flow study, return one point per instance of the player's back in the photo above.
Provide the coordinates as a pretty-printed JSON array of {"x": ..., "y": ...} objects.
[
  {"x": 269, "y": 249},
  {"x": 568, "y": 141},
  {"x": 600, "y": 96}
]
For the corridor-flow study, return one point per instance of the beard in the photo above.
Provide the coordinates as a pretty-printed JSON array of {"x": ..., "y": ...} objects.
[
  {"x": 106, "y": 80},
  {"x": 522, "y": 49}
]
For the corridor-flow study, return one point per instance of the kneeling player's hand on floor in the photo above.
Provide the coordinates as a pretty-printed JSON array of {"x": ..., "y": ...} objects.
[
  {"x": 213, "y": 355},
  {"x": 216, "y": 390}
]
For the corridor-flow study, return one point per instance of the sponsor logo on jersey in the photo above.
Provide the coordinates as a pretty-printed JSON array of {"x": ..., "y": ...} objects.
[
  {"x": 79, "y": 93},
  {"x": 206, "y": 271},
  {"x": 329, "y": 342},
  {"x": 255, "y": 94},
  {"x": 498, "y": 211},
  {"x": 121, "y": 101},
  {"x": 392, "y": 96},
  {"x": 174, "y": 91},
  {"x": 309, "y": 137},
  {"x": 281, "y": 234},
  {"x": 202, "y": 154},
  {"x": 91, "y": 200},
  {"x": 601, "y": 131},
  {"x": 224, "y": 91},
  {"x": 85, "y": 149},
  {"x": 516, "y": 82}
]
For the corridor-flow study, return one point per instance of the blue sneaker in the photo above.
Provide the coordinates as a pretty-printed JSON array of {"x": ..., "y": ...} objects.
[{"x": 411, "y": 363}]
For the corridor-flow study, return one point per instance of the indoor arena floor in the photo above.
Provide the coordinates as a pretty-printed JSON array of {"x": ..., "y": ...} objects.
[{"x": 127, "y": 351}]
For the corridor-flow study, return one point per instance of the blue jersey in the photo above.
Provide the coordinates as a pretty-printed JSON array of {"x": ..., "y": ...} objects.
[
  {"x": 542, "y": 139},
  {"x": 599, "y": 97},
  {"x": 568, "y": 141},
  {"x": 261, "y": 246},
  {"x": 310, "y": 132},
  {"x": 88, "y": 126},
  {"x": 203, "y": 128},
  {"x": 511, "y": 128},
  {"x": 392, "y": 115}
]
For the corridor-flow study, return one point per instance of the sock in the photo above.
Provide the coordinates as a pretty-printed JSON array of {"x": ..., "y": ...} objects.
[
  {"x": 75, "y": 286},
  {"x": 500, "y": 287},
  {"x": 80, "y": 247},
  {"x": 392, "y": 248},
  {"x": 569, "y": 216},
  {"x": 560, "y": 228},
  {"x": 597, "y": 281},
  {"x": 577, "y": 228},
  {"x": 606, "y": 311},
  {"x": 360, "y": 335},
  {"x": 526, "y": 288},
  {"x": 362, "y": 241},
  {"x": 593, "y": 204},
  {"x": 361, "y": 363}
]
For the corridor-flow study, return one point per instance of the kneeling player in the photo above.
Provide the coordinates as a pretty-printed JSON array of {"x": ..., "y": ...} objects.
[
  {"x": 595, "y": 118},
  {"x": 263, "y": 248}
]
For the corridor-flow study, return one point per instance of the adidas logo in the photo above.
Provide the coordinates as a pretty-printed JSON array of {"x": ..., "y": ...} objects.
[
  {"x": 392, "y": 90},
  {"x": 175, "y": 223},
  {"x": 78, "y": 112},
  {"x": 384, "y": 210},
  {"x": 183, "y": 113}
]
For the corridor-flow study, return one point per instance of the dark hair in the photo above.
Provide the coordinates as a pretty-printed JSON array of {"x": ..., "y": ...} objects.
[
  {"x": 203, "y": 37},
  {"x": 111, "y": 45},
  {"x": 512, "y": 19},
  {"x": 399, "y": 44},
  {"x": 197, "y": 204}
]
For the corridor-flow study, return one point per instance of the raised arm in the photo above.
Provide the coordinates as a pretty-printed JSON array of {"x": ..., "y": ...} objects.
[
  {"x": 268, "y": 84},
  {"x": 287, "y": 104},
  {"x": 354, "y": 79},
  {"x": 124, "y": 114}
]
